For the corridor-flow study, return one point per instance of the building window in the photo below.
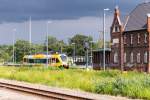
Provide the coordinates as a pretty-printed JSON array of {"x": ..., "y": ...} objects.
[
  {"x": 125, "y": 39},
  {"x": 145, "y": 57},
  {"x": 145, "y": 38},
  {"x": 115, "y": 57},
  {"x": 116, "y": 29},
  {"x": 131, "y": 38},
  {"x": 131, "y": 57},
  {"x": 125, "y": 57},
  {"x": 138, "y": 57},
  {"x": 138, "y": 38}
]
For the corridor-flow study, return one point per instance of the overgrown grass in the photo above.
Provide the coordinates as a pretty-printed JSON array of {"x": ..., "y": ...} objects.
[{"x": 113, "y": 82}]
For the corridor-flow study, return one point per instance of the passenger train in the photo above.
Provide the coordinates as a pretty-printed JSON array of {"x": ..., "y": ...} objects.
[{"x": 54, "y": 60}]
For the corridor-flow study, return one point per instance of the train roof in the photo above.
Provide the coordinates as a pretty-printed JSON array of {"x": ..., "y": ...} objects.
[{"x": 41, "y": 55}]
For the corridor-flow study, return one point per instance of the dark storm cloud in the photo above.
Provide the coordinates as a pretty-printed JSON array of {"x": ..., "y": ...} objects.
[{"x": 20, "y": 10}]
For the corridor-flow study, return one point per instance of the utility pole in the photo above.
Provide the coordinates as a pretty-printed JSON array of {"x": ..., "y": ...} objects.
[
  {"x": 30, "y": 32},
  {"x": 74, "y": 52},
  {"x": 87, "y": 58},
  {"x": 91, "y": 53},
  {"x": 48, "y": 22}
]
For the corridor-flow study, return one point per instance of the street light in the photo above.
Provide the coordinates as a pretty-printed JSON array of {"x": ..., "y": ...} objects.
[
  {"x": 48, "y": 22},
  {"x": 14, "y": 30},
  {"x": 107, "y": 9},
  {"x": 86, "y": 46},
  {"x": 74, "y": 52}
]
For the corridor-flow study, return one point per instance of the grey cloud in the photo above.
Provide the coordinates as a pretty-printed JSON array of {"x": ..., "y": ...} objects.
[{"x": 20, "y": 10}]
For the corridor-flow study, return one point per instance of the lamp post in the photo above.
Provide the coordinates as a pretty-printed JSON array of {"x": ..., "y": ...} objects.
[
  {"x": 48, "y": 22},
  {"x": 87, "y": 53},
  {"x": 14, "y": 30},
  {"x": 107, "y": 9},
  {"x": 74, "y": 52}
]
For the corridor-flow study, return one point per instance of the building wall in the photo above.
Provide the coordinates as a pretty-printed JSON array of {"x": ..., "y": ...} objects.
[
  {"x": 115, "y": 48},
  {"x": 136, "y": 48}
]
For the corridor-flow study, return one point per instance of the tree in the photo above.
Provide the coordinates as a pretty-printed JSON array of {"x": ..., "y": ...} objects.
[
  {"x": 22, "y": 48},
  {"x": 5, "y": 53},
  {"x": 79, "y": 41},
  {"x": 54, "y": 44}
]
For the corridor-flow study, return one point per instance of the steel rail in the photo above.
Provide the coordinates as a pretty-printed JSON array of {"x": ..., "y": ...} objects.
[{"x": 42, "y": 92}]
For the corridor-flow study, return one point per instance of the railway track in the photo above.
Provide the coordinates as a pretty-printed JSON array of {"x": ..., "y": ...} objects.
[{"x": 42, "y": 92}]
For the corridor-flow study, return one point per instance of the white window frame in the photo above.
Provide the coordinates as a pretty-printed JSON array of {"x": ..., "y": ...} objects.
[
  {"x": 138, "y": 57},
  {"x": 115, "y": 57},
  {"x": 131, "y": 39},
  {"x": 145, "y": 38},
  {"x": 131, "y": 57},
  {"x": 125, "y": 57},
  {"x": 146, "y": 57},
  {"x": 138, "y": 38}
]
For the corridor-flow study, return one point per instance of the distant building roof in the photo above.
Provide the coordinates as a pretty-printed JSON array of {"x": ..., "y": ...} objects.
[{"x": 138, "y": 17}]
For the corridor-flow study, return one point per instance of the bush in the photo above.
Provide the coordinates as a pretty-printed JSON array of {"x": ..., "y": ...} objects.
[{"x": 134, "y": 88}]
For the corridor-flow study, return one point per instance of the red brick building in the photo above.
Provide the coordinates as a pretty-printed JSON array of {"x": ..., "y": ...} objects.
[{"x": 131, "y": 40}]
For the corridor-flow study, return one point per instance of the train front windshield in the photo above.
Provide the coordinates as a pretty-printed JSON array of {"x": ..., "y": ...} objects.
[{"x": 64, "y": 58}]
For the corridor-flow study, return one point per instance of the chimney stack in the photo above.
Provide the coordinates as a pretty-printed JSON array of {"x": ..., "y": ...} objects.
[{"x": 148, "y": 23}]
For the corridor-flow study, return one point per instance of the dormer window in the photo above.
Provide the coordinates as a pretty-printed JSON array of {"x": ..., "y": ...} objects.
[
  {"x": 138, "y": 38},
  {"x": 145, "y": 38},
  {"x": 116, "y": 28},
  {"x": 131, "y": 39}
]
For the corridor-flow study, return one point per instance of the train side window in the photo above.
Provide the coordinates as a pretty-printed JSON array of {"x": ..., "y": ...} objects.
[
  {"x": 57, "y": 61},
  {"x": 53, "y": 60}
]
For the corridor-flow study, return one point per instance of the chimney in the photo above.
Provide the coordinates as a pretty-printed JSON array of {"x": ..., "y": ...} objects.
[{"x": 148, "y": 23}]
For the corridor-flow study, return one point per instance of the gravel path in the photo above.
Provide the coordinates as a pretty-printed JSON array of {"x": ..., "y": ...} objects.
[{"x": 6, "y": 94}]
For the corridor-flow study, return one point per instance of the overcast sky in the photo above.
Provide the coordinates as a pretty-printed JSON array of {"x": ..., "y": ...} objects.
[{"x": 69, "y": 17}]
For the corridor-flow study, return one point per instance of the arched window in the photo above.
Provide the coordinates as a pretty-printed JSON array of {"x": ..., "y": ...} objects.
[
  {"x": 145, "y": 57},
  {"x": 131, "y": 57},
  {"x": 145, "y": 38},
  {"x": 138, "y": 57},
  {"x": 125, "y": 57},
  {"x": 115, "y": 57}
]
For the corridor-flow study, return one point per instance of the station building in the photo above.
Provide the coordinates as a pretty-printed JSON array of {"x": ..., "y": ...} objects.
[{"x": 131, "y": 39}]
